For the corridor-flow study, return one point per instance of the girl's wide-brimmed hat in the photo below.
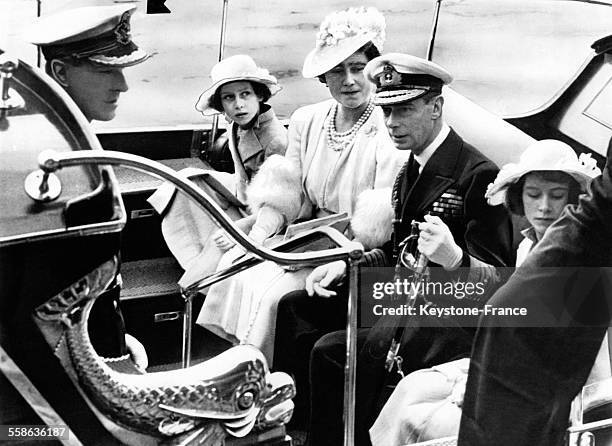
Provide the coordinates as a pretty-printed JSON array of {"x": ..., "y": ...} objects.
[
  {"x": 545, "y": 155},
  {"x": 235, "y": 68},
  {"x": 341, "y": 34}
]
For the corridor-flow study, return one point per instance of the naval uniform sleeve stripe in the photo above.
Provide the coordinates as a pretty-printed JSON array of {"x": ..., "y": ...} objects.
[{"x": 375, "y": 257}]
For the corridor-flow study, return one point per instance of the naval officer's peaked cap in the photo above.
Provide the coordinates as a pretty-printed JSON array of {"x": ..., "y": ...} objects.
[
  {"x": 100, "y": 34},
  {"x": 402, "y": 77}
]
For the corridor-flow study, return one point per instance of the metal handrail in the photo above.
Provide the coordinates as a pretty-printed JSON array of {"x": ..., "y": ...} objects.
[
  {"x": 593, "y": 425},
  {"x": 251, "y": 260},
  {"x": 350, "y": 364},
  {"x": 189, "y": 292},
  {"x": 51, "y": 161}
]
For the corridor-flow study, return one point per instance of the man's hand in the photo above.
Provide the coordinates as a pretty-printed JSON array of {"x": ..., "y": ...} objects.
[
  {"x": 137, "y": 352},
  {"x": 324, "y": 276},
  {"x": 222, "y": 240},
  {"x": 437, "y": 243}
]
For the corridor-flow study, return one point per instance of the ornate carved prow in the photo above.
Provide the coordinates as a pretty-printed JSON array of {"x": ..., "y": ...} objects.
[{"x": 228, "y": 394}]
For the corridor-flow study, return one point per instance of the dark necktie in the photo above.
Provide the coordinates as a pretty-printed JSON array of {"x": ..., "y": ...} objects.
[{"x": 411, "y": 176}]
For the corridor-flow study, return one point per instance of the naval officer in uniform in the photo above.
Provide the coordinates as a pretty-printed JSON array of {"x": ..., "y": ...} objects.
[
  {"x": 86, "y": 50},
  {"x": 442, "y": 186}
]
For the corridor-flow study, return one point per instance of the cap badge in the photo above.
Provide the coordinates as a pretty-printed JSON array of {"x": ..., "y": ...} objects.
[
  {"x": 389, "y": 76},
  {"x": 122, "y": 30}
]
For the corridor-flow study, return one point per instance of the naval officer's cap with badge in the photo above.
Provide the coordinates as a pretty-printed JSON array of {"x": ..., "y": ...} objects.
[
  {"x": 98, "y": 34},
  {"x": 401, "y": 78}
]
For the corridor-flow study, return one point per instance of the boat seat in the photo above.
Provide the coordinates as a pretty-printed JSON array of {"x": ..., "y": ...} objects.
[{"x": 492, "y": 136}]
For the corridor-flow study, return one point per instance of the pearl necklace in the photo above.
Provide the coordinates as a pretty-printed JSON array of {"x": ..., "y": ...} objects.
[{"x": 339, "y": 141}]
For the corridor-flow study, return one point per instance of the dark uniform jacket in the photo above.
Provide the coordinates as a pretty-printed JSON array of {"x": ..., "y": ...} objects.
[{"x": 452, "y": 185}]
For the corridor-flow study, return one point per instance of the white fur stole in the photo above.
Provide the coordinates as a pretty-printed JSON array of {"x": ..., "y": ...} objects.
[
  {"x": 277, "y": 184},
  {"x": 372, "y": 221}
]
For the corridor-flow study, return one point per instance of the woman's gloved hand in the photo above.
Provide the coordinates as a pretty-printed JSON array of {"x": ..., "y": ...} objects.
[
  {"x": 137, "y": 352},
  {"x": 269, "y": 222},
  {"x": 324, "y": 277},
  {"x": 222, "y": 240}
]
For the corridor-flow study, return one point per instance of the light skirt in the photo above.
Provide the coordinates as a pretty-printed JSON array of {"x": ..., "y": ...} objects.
[{"x": 242, "y": 309}]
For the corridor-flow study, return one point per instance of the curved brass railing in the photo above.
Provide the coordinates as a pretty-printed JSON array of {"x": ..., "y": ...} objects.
[
  {"x": 51, "y": 161},
  {"x": 351, "y": 252}
]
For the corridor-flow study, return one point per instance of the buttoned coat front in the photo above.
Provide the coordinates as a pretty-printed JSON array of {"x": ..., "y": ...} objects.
[
  {"x": 251, "y": 147},
  {"x": 451, "y": 185}
]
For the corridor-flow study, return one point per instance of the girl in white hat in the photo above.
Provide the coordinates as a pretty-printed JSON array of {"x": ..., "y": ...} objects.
[
  {"x": 547, "y": 177},
  {"x": 337, "y": 149},
  {"x": 240, "y": 90},
  {"x": 427, "y": 403}
]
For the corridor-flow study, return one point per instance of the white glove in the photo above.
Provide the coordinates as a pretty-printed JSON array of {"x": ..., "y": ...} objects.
[
  {"x": 222, "y": 240},
  {"x": 137, "y": 352},
  {"x": 437, "y": 243},
  {"x": 259, "y": 234},
  {"x": 324, "y": 276},
  {"x": 233, "y": 255},
  {"x": 269, "y": 222}
]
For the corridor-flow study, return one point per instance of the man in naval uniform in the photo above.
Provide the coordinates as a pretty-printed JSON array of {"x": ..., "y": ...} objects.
[
  {"x": 442, "y": 186},
  {"x": 86, "y": 50}
]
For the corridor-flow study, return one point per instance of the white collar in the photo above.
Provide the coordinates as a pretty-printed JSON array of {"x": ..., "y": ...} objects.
[{"x": 424, "y": 156}]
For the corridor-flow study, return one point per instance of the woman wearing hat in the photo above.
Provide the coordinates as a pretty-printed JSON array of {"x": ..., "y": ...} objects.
[
  {"x": 427, "y": 403},
  {"x": 337, "y": 149}
]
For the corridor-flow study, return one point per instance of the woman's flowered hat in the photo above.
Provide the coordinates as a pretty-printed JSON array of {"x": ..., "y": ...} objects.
[
  {"x": 341, "y": 34},
  {"x": 545, "y": 155}
]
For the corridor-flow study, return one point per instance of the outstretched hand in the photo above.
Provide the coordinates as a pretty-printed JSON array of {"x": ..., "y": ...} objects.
[
  {"x": 222, "y": 240},
  {"x": 325, "y": 276},
  {"x": 137, "y": 352}
]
